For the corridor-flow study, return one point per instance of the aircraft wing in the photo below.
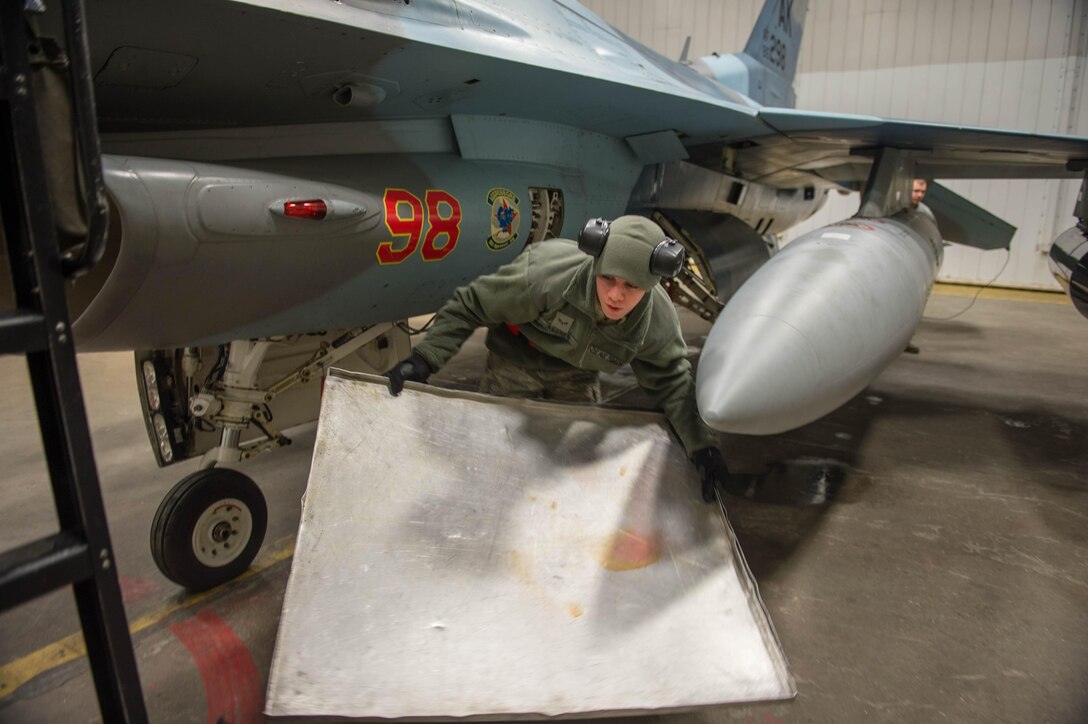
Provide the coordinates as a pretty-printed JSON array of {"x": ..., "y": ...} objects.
[
  {"x": 215, "y": 64},
  {"x": 838, "y": 148}
]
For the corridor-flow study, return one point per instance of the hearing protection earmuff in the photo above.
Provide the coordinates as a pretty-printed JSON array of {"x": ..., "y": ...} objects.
[{"x": 666, "y": 260}]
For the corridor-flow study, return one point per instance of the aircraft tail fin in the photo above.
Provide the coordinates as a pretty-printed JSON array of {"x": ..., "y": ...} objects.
[
  {"x": 775, "y": 41},
  {"x": 764, "y": 71}
]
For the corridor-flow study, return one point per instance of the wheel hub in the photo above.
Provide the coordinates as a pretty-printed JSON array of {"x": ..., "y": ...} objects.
[{"x": 222, "y": 532}]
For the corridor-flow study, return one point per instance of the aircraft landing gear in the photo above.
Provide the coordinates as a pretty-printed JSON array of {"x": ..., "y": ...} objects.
[{"x": 209, "y": 528}]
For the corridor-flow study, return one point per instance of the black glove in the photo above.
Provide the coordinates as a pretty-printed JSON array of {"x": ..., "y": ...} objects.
[
  {"x": 414, "y": 369},
  {"x": 712, "y": 469}
]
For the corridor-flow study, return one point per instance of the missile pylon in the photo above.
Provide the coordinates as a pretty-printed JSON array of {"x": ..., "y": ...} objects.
[{"x": 817, "y": 323}]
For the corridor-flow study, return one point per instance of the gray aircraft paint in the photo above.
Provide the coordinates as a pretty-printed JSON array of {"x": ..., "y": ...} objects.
[
  {"x": 817, "y": 323},
  {"x": 482, "y": 95},
  {"x": 196, "y": 267},
  {"x": 765, "y": 70}
]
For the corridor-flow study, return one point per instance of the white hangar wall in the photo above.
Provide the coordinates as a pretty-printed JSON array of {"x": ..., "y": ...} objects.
[{"x": 1015, "y": 64}]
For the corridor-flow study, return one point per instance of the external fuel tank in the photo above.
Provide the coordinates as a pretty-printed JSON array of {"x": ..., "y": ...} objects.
[{"x": 817, "y": 323}]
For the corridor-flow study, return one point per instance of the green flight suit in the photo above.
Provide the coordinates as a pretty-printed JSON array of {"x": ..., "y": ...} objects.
[{"x": 549, "y": 294}]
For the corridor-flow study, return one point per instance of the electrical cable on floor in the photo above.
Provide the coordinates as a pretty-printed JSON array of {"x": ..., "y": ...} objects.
[{"x": 987, "y": 285}]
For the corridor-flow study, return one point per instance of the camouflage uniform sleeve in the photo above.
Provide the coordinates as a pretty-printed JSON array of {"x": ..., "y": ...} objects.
[
  {"x": 501, "y": 297},
  {"x": 664, "y": 373}
]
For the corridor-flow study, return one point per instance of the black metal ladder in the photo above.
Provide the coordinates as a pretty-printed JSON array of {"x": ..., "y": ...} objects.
[{"x": 80, "y": 554}]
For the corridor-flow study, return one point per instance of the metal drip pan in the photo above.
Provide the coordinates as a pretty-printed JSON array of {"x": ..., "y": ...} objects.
[{"x": 476, "y": 557}]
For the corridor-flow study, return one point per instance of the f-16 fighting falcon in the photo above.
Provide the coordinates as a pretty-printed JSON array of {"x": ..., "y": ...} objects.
[{"x": 289, "y": 180}]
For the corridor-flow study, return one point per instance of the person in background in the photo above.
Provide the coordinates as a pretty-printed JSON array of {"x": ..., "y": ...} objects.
[{"x": 918, "y": 192}]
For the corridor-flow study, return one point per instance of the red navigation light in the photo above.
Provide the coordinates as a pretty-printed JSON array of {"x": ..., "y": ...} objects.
[{"x": 309, "y": 209}]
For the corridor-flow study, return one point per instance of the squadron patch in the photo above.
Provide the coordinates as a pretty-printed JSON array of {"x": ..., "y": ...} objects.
[{"x": 505, "y": 218}]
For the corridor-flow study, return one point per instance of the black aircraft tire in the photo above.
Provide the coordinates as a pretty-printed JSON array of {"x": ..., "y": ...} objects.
[{"x": 208, "y": 528}]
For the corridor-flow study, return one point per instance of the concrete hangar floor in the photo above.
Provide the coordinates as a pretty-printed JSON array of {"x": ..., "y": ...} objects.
[{"x": 935, "y": 570}]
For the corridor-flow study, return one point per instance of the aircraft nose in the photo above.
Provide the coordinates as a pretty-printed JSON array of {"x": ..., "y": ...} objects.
[{"x": 755, "y": 376}]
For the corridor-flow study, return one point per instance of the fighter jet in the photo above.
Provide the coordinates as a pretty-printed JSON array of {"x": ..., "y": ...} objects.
[{"x": 289, "y": 180}]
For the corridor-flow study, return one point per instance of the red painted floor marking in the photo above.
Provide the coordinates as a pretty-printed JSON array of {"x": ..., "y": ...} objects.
[
  {"x": 231, "y": 684},
  {"x": 133, "y": 589}
]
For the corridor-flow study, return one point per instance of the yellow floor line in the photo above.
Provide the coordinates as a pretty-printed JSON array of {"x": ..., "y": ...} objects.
[
  {"x": 1019, "y": 295},
  {"x": 71, "y": 648}
]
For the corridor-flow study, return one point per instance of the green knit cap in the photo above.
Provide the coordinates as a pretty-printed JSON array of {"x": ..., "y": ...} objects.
[{"x": 626, "y": 254}]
